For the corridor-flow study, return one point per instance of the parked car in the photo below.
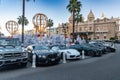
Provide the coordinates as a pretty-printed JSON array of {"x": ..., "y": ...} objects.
[
  {"x": 70, "y": 53},
  {"x": 102, "y": 49},
  {"x": 11, "y": 52},
  {"x": 44, "y": 55},
  {"x": 108, "y": 48},
  {"x": 117, "y": 41},
  {"x": 89, "y": 51}
]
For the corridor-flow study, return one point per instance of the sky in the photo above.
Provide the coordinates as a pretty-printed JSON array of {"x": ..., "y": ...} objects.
[{"x": 55, "y": 10}]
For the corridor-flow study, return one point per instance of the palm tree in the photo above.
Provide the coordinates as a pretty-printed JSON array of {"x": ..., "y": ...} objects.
[
  {"x": 78, "y": 18},
  {"x": 23, "y": 15},
  {"x": 50, "y": 24},
  {"x": 20, "y": 20},
  {"x": 73, "y": 7}
]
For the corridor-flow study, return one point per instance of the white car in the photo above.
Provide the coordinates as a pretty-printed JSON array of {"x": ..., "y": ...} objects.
[{"x": 70, "y": 53}]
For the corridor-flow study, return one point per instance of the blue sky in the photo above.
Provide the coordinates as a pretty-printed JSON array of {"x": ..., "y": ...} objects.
[{"x": 55, "y": 10}]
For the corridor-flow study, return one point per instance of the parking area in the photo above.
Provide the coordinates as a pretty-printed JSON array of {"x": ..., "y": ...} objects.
[
  {"x": 64, "y": 59},
  {"x": 16, "y": 71}
]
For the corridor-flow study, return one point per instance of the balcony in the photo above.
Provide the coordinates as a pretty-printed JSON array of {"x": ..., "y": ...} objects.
[{"x": 99, "y": 31}]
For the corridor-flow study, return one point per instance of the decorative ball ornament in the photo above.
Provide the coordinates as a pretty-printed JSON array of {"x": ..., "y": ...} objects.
[
  {"x": 40, "y": 22},
  {"x": 11, "y": 27}
]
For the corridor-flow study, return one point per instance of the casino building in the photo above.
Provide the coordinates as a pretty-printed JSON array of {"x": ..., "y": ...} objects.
[{"x": 93, "y": 28}]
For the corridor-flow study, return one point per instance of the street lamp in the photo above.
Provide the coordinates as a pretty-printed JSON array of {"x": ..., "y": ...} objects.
[
  {"x": 0, "y": 31},
  {"x": 86, "y": 29},
  {"x": 64, "y": 26},
  {"x": 23, "y": 15}
]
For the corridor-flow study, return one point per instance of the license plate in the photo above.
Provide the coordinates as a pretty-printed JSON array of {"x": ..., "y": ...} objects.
[{"x": 52, "y": 59}]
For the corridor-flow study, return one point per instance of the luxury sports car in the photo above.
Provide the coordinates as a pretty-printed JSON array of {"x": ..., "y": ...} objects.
[
  {"x": 108, "y": 47},
  {"x": 102, "y": 49},
  {"x": 44, "y": 55},
  {"x": 89, "y": 51},
  {"x": 70, "y": 53}
]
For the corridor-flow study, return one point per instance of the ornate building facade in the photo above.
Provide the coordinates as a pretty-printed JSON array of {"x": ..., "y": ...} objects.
[{"x": 100, "y": 29}]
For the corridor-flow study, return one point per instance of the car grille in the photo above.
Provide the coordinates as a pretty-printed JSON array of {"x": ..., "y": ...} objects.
[
  {"x": 72, "y": 56},
  {"x": 12, "y": 55},
  {"x": 52, "y": 55}
]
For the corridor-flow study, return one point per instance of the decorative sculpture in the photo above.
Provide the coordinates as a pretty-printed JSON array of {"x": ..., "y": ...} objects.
[
  {"x": 40, "y": 23},
  {"x": 12, "y": 27}
]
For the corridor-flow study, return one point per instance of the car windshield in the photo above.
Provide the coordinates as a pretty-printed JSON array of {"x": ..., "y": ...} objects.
[
  {"x": 86, "y": 45},
  {"x": 60, "y": 46},
  {"x": 9, "y": 42},
  {"x": 41, "y": 47}
]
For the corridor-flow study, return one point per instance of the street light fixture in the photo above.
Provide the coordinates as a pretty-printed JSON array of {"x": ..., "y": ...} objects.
[
  {"x": 87, "y": 31},
  {"x": 0, "y": 31},
  {"x": 23, "y": 15},
  {"x": 64, "y": 26}
]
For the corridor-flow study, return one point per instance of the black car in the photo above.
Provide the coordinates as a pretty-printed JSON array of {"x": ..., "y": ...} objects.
[
  {"x": 108, "y": 48},
  {"x": 89, "y": 51},
  {"x": 44, "y": 55},
  {"x": 102, "y": 49}
]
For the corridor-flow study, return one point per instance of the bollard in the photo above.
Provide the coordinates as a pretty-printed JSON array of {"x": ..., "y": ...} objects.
[
  {"x": 34, "y": 61},
  {"x": 64, "y": 58},
  {"x": 113, "y": 45},
  {"x": 83, "y": 54}
]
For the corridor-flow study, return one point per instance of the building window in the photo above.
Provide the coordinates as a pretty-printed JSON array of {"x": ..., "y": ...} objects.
[
  {"x": 90, "y": 28},
  {"x": 80, "y": 29},
  {"x": 97, "y": 37},
  {"x": 104, "y": 37},
  {"x": 97, "y": 29}
]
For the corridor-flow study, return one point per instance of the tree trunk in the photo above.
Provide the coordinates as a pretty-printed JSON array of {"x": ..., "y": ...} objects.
[
  {"x": 73, "y": 26},
  {"x": 49, "y": 31}
]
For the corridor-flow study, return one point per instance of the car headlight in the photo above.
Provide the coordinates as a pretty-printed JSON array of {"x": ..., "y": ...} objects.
[
  {"x": 39, "y": 56},
  {"x": 43, "y": 56},
  {"x": 1, "y": 56}
]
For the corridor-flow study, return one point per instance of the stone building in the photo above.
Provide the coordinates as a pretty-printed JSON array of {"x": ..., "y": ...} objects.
[{"x": 100, "y": 28}]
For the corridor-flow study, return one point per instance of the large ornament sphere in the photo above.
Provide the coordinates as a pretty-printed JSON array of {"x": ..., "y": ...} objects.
[
  {"x": 40, "y": 22},
  {"x": 11, "y": 27}
]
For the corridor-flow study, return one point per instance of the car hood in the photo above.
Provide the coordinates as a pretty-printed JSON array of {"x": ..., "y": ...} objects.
[
  {"x": 10, "y": 50},
  {"x": 72, "y": 51},
  {"x": 44, "y": 51}
]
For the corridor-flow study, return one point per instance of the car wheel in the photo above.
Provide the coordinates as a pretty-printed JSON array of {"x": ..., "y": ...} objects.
[
  {"x": 113, "y": 50},
  {"x": 57, "y": 61},
  {"x": 99, "y": 54},
  {"x": 90, "y": 53}
]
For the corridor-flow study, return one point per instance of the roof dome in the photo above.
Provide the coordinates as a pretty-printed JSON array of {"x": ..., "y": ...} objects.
[{"x": 91, "y": 15}]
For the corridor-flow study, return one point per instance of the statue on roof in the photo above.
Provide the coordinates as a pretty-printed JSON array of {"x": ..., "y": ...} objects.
[{"x": 103, "y": 16}]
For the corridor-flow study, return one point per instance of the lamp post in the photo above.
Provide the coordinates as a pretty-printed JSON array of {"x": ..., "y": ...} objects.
[
  {"x": 0, "y": 31},
  {"x": 86, "y": 35},
  {"x": 23, "y": 15},
  {"x": 64, "y": 26}
]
